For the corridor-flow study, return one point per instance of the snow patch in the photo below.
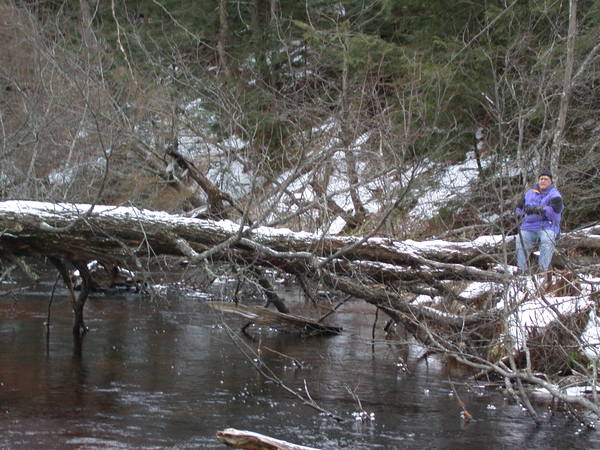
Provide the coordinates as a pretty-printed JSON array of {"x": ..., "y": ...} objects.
[
  {"x": 452, "y": 182},
  {"x": 590, "y": 338},
  {"x": 536, "y": 313}
]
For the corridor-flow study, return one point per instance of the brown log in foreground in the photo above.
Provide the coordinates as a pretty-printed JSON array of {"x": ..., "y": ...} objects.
[{"x": 254, "y": 441}]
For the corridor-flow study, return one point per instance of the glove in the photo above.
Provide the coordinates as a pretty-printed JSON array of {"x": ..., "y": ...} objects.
[{"x": 535, "y": 210}]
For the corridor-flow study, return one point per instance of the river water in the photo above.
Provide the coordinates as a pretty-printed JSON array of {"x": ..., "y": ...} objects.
[{"x": 165, "y": 373}]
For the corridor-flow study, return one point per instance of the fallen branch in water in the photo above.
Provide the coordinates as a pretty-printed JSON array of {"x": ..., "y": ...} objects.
[
  {"x": 254, "y": 441},
  {"x": 264, "y": 316},
  {"x": 255, "y": 359}
]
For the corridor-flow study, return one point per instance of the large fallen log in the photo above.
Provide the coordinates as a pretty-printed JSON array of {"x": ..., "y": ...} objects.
[
  {"x": 110, "y": 231},
  {"x": 71, "y": 229}
]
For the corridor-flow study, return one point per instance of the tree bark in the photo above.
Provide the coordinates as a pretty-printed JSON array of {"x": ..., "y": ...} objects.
[
  {"x": 113, "y": 233},
  {"x": 222, "y": 38},
  {"x": 77, "y": 300},
  {"x": 559, "y": 132},
  {"x": 214, "y": 194}
]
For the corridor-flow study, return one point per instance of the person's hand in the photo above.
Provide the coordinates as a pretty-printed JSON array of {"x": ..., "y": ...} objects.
[{"x": 535, "y": 210}]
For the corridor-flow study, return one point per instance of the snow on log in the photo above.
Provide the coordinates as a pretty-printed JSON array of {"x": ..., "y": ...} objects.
[
  {"x": 79, "y": 232},
  {"x": 588, "y": 237},
  {"x": 37, "y": 227}
]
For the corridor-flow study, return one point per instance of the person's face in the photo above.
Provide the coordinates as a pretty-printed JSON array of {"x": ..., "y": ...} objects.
[{"x": 544, "y": 182}]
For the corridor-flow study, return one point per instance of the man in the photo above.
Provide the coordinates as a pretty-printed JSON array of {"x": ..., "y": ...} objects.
[{"x": 540, "y": 211}]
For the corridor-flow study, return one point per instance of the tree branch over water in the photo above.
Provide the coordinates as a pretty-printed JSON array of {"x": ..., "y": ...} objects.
[{"x": 422, "y": 285}]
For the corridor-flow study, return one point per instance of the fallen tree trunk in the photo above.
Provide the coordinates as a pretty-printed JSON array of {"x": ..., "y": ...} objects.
[
  {"x": 114, "y": 234},
  {"x": 380, "y": 270},
  {"x": 117, "y": 232},
  {"x": 425, "y": 286}
]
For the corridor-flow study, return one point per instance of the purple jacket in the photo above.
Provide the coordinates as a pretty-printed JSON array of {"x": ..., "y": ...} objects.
[{"x": 548, "y": 218}]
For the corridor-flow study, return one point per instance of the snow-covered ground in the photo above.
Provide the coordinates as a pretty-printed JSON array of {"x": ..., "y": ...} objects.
[
  {"x": 450, "y": 182},
  {"x": 534, "y": 309},
  {"x": 590, "y": 338}
]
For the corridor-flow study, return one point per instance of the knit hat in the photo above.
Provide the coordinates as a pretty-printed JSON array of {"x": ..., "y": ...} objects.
[{"x": 545, "y": 173}]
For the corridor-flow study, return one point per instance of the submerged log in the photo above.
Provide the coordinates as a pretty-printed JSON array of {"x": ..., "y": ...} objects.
[
  {"x": 264, "y": 316},
  {"x": 250, "y": 440}
]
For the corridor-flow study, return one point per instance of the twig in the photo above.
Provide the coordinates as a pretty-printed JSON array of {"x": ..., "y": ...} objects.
[
  {"x": 283, "y": 355},
  {"x": 465, "y": 415},
  {"x": 335, "y": 308},
  {"x": 49, "y": 311},
  {"x": 256, "y": 361}
]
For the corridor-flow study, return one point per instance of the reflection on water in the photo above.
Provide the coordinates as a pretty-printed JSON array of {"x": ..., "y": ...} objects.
[{"x": 156, "y": 374}]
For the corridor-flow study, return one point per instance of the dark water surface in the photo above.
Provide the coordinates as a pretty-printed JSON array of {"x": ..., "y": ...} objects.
[{"x": 166, "y": 374}]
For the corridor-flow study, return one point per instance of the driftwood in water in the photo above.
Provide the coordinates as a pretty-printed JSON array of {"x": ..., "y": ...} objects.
[
  {"x": 255, "y": 441},
  {"x": 264, "y": 316}
]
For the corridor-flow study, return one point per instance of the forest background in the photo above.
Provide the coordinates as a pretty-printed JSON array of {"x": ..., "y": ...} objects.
[{"x": 338, "y": 110}]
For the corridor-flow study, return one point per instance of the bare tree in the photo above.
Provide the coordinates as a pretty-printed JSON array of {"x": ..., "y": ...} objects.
[{"x": 559, "y": 131}]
